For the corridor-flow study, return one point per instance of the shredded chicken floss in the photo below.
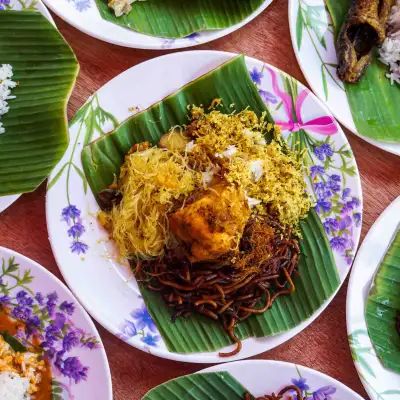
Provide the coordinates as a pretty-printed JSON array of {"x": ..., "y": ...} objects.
[{"x": 265, "y": 179}]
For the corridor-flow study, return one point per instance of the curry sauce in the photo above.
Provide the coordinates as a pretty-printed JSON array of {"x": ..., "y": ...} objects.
[{"x": 11, "y": 326}]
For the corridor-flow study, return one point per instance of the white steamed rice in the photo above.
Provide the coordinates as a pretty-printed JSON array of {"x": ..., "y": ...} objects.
[
  {"x": 6, "y": 84},
  {"x": 13, "y": 387},
  {"x": 390, "y": 50}
]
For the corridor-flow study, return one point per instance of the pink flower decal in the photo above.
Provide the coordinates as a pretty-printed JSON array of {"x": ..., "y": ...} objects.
[{"x": 323, "y": 125}]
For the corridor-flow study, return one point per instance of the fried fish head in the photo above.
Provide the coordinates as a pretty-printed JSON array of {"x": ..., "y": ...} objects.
[{"x": 364, "y": 28}]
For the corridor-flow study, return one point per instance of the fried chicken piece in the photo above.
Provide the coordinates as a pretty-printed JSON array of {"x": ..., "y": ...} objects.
[{"x": 214, "y": 223}]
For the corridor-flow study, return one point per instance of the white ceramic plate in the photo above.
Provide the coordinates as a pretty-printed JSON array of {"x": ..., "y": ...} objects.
[
  {"x": 314, "y": 59},
  {"x": 84, "y": 15},
  {"x": 78, "y": 361},
  {"x": 380, "y": 383},
  {"x": 6, "y": 201},
  {"x": 86, "y": 258},
  {"x": 262, "y": 377}
]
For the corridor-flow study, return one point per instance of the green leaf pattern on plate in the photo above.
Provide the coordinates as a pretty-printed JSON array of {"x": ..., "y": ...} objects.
[
  {"x": 363, "y": 353},
  {"x": 91, "y": 118},
  {"x": 314, "y": 21},
  {"x": 22, "y": 5}
]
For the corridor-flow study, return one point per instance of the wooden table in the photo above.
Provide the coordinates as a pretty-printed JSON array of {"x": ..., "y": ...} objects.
[{"x": 323, "y": 345}]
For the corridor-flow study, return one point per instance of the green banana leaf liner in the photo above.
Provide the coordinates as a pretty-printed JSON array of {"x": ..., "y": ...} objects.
[
  {"x": 36, "y": 127},
  {"x": 318, "y": 278},
  {"x": 213, "y": 385},
  {"x": 374, "y": 100},
  {"x": 176, "y": 18},
  {"x": 383, "y": 307}
]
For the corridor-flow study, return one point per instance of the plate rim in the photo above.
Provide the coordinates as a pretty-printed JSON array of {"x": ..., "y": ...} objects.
[
  {"x": 181, "y": 45},
  {"x": 87, "y": 317},
  {"x": 353, "y": 130},
  {"x": 199, "y": 357},
  {"x": 371, "y": 234},
  {"x": 272, "y": 363}
]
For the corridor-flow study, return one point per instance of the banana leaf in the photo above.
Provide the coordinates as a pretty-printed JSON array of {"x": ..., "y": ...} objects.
[
  {"x": 177, "y": 18},
  {"x": 383, "y": 306},
  {"x": 338, "y": 11},
  {"x": 374, "y": 100},
  {"x": 213, "y": 385},
  {"x": 36, "y": 131},
  {"x": 318, "y": 278}
]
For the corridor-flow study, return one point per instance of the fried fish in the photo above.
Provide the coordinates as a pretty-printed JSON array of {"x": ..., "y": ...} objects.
[{"x": 364, "y": 28}]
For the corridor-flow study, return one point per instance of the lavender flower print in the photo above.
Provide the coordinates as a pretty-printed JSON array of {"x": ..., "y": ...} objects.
[
  {"x": 49, "y": 320},
  {"x": 72, "y": 216},
  {"x": 128, "y": 330},
  {"x": 81, "y": 5},
  {"x": 167, "y": 43},
  {"x": 268, "y": 97},
  {"x": 316, "y": 170},
  {"x": 150, "y": 340},
  {"x": 256, "y": 76},
  {"x": 79, "y": 247},
  {"x": 4, "y": 3},
  {"x": 69, "y": 308},
  {"x": 71, "y": 367},
  {"x": 142, "y": 326},
  {"x": 70, "y": 213},
  {"x": 143, "y": 319},
  {"x": 301, "y": 383},
  {"x": 323, "y": 393},
  {"x": 325, "y": 150},
  {"x": 76, "y": 230}
]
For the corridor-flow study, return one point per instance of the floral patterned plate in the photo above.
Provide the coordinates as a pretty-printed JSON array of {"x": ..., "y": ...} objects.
[
  {"x": 6, "y": 201},
  {"x": 380, "y": 383},
  {"x": 84, "y": 15},
  {"x": 262, "y": 377},
  {"x": 65, "y": 332},
  {"x": 313, "y": 41},
  {"x": 81, "y": 246}
]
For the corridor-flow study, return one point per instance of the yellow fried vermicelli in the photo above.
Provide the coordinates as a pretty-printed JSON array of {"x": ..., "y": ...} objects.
[{"x": 150, "y": 182}]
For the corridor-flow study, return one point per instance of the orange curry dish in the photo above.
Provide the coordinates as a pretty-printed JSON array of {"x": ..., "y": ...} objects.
[{"x": 24, "y": 374}]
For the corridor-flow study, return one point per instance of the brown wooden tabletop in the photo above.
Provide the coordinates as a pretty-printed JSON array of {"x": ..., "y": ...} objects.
[{"x": 323, "y": 345}]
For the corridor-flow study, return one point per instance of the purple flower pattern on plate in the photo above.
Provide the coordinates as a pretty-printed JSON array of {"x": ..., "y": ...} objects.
[
  {"x": 81, "y": 5},
  {"x": 256, "y": 77},
  {"x": 4, "y": 3},
  {"x": 328, "y": 167},
  {"x": 167, "y": 43},
  {"x": 71, "y": 215},
  {"x": 323, "y": 393},
  {"x": 140, "y": 324},
  {"x": 48, "y": 319}
]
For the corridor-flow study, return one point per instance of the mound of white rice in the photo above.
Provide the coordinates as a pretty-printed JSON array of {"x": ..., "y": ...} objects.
[
  {"x": 6, "y": 84},
  {"x": 390, "y": 50},
  {"x": 13, "y": 387}
]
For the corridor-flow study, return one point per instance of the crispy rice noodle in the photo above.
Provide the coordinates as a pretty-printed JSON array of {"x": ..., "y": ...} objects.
[
  {"x": 231, "y": 289},
  {"x": 292, "y": 391}
]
